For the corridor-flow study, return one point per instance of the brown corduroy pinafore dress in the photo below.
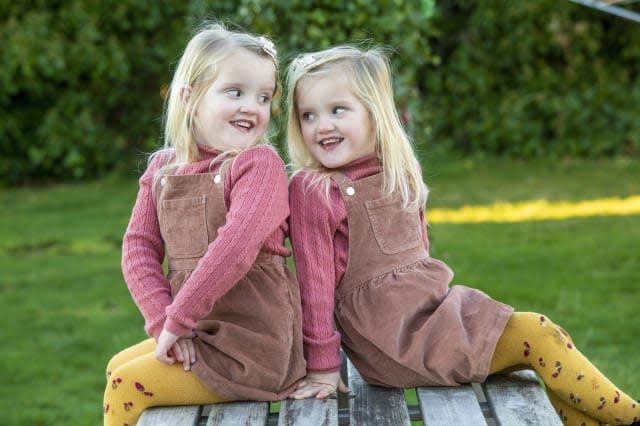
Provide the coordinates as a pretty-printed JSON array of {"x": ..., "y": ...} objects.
[
  {"x": 401, "y": 324},
  {"x": 250, "y": 345}
]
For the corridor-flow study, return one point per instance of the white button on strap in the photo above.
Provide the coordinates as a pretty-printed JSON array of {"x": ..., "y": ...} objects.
[
  {"x": 163, "y": 181},
  {"x": 350, "y": 191},
  {"x": 217, "y": 179}
]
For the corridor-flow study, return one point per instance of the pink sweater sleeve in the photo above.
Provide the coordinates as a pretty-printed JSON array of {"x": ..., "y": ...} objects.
[
  {"x": 142, "y": 257},
  {"x": 312, "y": 227},
  {"x": 257, "y": 206}
]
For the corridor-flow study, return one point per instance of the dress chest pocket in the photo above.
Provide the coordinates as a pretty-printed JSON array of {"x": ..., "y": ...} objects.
[
  {"x": 395, "y": 230},
  {"x": 183, "y": 225}
]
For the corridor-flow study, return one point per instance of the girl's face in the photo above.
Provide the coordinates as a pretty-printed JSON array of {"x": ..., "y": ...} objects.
[
  {"x": 235, "y": 110},
  {"x": 336, "y": 127}
]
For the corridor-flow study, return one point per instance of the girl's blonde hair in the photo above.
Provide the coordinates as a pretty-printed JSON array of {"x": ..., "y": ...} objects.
[
  {"x": 370, "y": 77},
  {"x": 196, "y": 71}
]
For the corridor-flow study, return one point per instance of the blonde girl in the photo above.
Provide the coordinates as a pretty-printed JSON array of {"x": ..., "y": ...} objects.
[
  {"x": 224, "y": 321},
  {"x": 362, "y": 258}
]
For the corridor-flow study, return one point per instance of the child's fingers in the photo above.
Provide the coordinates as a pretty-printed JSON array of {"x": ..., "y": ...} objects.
[
  {"x": 324, "y": 393},
  {"x": 303, "y": 392},
  {"x": 177, "y": 351},
  {"x": 342, "y": 387},
  {"x": 165, "y": 358},
  {"x": 191, "y": 350},
  {"x": 311, "y": 389}
]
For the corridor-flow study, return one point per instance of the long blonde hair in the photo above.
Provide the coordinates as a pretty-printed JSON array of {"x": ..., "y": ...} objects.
[
  {"x": 196, "y": 71},
  {"x": 370, "y": 77}
]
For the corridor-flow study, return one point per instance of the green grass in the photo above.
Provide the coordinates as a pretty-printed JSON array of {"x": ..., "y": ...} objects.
[{"x": 66, "y": 309}]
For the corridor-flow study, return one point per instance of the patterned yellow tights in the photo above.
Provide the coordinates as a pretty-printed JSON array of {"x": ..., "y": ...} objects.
[
  {"x": 578, "y": 391},
  {"x": 136, "y": 381}
]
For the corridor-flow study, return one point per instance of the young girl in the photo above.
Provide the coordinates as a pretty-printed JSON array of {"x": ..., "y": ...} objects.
[
  {"x": 225, "y": 322},
  {"x": 361, "y": 253}
]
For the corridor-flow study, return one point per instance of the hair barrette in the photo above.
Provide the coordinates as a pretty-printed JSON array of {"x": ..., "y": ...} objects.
[
  {"x": 307, "y": 60},
  {"x": 268, "y": 47}
]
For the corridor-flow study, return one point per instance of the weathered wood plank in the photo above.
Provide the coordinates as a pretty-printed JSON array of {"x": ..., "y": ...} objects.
[
  {"x": 373, "y": 405},
  {"x": 450, "y": 406},
  {"x": 308, "y": 412},
  {"x": 241, "y": 413},
  {"x": 519, "y": 400},
  {"x": 514, "y": 400},
  {"x": 171, "y": 416}
]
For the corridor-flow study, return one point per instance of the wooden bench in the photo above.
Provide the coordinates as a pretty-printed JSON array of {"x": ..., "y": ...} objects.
[{"x": 510, "y": 400}]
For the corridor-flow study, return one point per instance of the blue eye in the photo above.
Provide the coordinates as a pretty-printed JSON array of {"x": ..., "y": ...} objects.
[
  {"x": 307, "y": 116},
  {"x": 263, "y": 99},
  {"x": 339, "y": 110},
  {"x": 234, "y": 92}
]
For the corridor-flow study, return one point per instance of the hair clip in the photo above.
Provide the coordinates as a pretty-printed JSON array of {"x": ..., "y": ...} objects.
[
  {"x": 306, "y": 60},
  {"x": 268, "y": 47}
]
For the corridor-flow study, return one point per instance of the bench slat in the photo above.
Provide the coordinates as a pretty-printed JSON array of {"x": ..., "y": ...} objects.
[
  {"x": 308, "y": 412},
  {"x": 518, "y": 399},
  {"x": 374, "y": 405},
  {"x": 171, "y": 416},
  {"x": 238, "y": 414},
  {"x": 450, "y": 405}
]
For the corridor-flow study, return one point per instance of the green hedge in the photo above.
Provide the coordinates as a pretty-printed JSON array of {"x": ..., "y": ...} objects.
[
  {"x": 81, "y": 82},
  {"x": 537, "y": 78}
]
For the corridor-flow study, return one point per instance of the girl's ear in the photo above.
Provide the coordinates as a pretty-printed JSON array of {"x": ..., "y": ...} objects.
[{"x": 185, "y": 94}]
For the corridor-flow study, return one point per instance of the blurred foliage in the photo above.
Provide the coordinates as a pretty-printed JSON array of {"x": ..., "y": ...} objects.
[
  {"x": 543, "y": 78},
  {"x": 81, "y": 81}
]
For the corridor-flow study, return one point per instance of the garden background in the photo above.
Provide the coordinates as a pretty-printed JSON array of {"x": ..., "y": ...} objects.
[{"x": 509, "y": 103}]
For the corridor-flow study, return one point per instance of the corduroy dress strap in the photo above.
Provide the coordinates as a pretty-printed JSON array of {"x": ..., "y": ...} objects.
[
  {"x": 382, "y": 236},
  {"x": 189, "y": 204}
]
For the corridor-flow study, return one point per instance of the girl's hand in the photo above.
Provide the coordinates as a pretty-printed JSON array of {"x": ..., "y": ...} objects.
[
  {"x": 164, "y": 352},
  {"x": 319, "y": 385},
  {"x": 184, "y": 351}
]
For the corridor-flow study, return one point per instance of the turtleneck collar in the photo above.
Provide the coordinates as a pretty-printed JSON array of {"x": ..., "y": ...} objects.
[
  {"x": 362, "y": 167},
  {"x": 208, "y": 151}
]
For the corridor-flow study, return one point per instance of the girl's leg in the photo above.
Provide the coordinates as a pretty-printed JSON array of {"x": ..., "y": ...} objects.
[
  {"x": 145, "y": 382},
  {"x": 532, "y": 340},
  {"x": 569, "y": 415},
  {"x": 130, "y": 353}
]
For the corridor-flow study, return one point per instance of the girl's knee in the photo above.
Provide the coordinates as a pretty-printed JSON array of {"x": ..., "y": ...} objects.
[
  {"x": 129, "y": 354},
  {"x": 532, "y": 323},
  {"x": 113, "y": 363}
]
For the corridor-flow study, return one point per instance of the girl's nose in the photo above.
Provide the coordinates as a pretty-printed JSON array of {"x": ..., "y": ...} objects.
[
  {"x": 325, "y": 125},
  {"x": 249, "y": 106}
]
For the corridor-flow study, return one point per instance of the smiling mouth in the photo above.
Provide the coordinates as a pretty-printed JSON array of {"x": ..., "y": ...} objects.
[
  {"x": 330, "y": 142},
  {"x": 243, "y": 124}
]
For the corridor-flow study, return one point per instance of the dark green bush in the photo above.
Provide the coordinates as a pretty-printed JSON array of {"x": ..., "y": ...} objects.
[
  {"x": 535, "y": 78},
  {"x": 80, "y": 83}
]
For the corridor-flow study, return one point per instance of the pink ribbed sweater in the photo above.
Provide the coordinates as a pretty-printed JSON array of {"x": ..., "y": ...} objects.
[
  {"x": 255, "y": 195},
  {"x": 320, "y": 241}
]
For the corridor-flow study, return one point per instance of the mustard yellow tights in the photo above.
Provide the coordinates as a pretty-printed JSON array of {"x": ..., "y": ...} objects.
[
  {"x": 136, "y": 381},
  {"x": 580, "y": 393}
]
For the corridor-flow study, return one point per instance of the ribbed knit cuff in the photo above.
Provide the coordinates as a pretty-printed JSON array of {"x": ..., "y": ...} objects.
[
  {"x": 323, "y": 356},
  {"x": 175, "y": 327},
  {"x": 154, "y": 328}
]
